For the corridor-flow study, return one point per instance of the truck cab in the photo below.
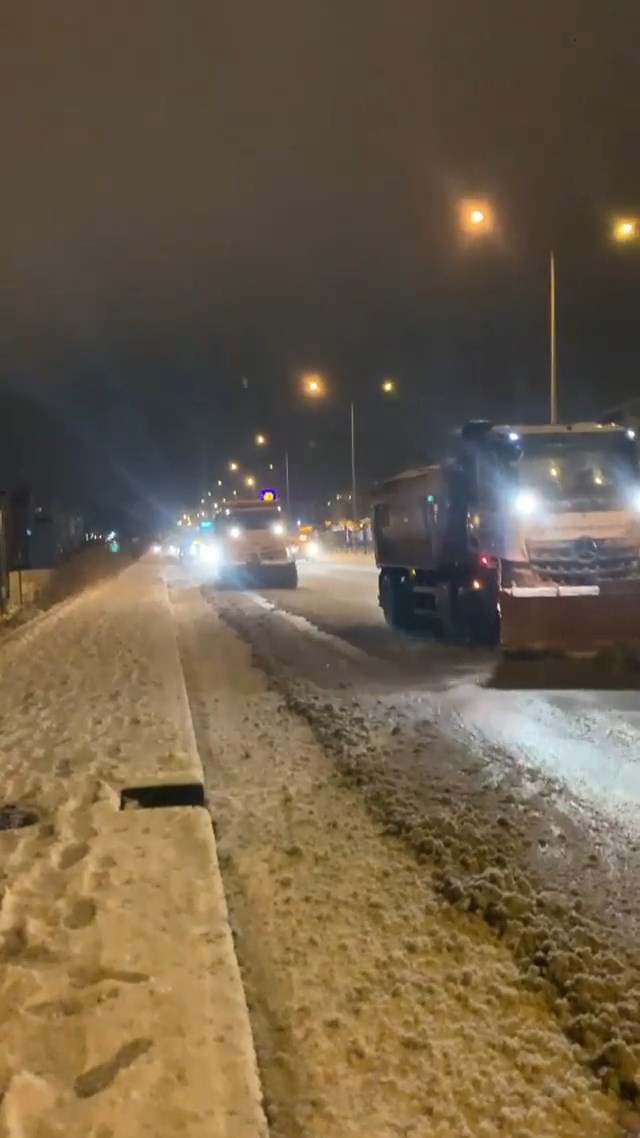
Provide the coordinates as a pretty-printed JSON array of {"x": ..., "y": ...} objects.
[
  {"x": 536, "y": 507},
  {"x": 253, "y": 544}
]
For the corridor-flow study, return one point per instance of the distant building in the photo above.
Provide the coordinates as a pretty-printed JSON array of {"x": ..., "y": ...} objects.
[{"x": 340, "y": 511}]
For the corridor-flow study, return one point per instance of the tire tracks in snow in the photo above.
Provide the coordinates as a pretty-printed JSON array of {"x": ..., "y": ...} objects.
[{"x": 476, "y": 835}]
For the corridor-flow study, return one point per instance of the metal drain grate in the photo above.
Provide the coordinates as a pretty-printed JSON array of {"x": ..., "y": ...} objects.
[
  {"x": 16, "y": 817},
  {"x": 163, "y": 796}
]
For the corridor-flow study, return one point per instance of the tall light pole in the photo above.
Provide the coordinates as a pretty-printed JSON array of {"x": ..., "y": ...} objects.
[
  {"x": 476, "y": 220},
  {"x": 314, "y": 386},
  {"x": 387, "y": 387},
  {"x": 287, "y": 485},
  {"x": 354, "y": 501},
  {"x": 553, "y": 377}
]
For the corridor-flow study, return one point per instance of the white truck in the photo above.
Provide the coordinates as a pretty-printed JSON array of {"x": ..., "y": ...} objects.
[
  {"x": 251, "y": 544},
  {"x": 529, "y": 534}
]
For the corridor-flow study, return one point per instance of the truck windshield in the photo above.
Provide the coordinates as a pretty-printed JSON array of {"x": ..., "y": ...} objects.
[
  {"x": 581, "y": 471},
  {"x": 260, "y": 518}
]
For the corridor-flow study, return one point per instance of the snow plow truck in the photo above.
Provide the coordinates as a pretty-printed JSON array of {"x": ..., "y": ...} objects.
[{"x": 527, "y": 536}]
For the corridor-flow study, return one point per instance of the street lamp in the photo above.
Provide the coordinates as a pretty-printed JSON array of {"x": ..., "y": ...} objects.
[
  {"x": 476, "y": 217},
  {"x": 233, "y": 466},
  {"x": 250, "y": 480},
  {"x": 313, "y": 386},
  {"x": 388, "y": 387},
  {"x": 260, "y": 441},
  {"x": 626, "y": 229}
]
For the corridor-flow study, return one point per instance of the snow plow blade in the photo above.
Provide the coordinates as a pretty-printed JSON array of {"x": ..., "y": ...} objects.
[{"x": 566, "y": 621}]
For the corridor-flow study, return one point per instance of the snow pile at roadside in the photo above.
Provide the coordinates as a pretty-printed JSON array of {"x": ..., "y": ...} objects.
[
  {"x": 476, "y": 834},
  {"x": 377, "y": 1008},
  {"x": 107, "y": 1025}
]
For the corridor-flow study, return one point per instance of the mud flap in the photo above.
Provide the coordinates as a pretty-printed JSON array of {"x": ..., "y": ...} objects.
[{"x": 570, "y": 621}]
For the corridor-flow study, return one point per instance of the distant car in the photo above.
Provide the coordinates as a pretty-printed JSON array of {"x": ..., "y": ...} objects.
[
  {"x": 169, "y": 548},
  {"x": 307, "y": 545}
]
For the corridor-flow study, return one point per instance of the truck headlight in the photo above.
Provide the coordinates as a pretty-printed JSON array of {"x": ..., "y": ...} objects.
[
  {"x": 526, "y": 503},
  {"x": 313, "y": 549},
  {"x": 277, "y": 528},
  {"x": 234, "y": 532}
]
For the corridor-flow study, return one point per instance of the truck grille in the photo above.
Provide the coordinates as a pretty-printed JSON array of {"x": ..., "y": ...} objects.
[
  {"x": 272, "y": 554},
  {"x": 584, "y": 561}
]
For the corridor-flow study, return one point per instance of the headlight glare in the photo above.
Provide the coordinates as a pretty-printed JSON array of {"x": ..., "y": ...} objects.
[{"x": 526, "y": 503}]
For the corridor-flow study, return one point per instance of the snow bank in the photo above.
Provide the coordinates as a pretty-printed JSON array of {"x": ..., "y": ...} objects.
[{"x": 122, "y": 1010}]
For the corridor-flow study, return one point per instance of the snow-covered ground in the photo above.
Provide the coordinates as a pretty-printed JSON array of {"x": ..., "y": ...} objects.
[
  {"x": 436, "y": 938},
  {"x": 378, "y": 1009},
  {"x": 121, "y": 1006},
  {"x": 589, "y": 738},
  {"x": 496, "y": 794}
]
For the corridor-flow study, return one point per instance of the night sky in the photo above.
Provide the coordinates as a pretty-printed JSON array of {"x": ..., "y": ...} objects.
[{"x": 195, "y": 192}]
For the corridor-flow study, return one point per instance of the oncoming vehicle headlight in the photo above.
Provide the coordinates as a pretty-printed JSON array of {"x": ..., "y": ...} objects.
[
  {"x": 235, "y": 531},
  {"x": 526, "y": 503},
  {"x": 210, "y": 554},
  {"x": 194, "y": 548},
  {"x": 277, "y": 528},
  {"x": 172, "y": 551},
  {"x": 635, "y": 500},
  {"x": 157, "y": 549},
  {"x": 313, "y": 549}
]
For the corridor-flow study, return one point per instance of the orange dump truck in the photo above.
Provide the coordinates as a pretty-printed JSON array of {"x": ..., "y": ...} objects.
[{"x": 526, "y": 535}]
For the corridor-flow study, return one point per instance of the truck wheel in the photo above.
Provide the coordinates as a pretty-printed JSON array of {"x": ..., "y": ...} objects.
[{"x": 396, "y": 602}]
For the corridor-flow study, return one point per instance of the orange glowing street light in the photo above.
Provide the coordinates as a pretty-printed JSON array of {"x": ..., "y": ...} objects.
[
  {"x": 260, "y": 440},
  {"x": 250, "y": 481},
  {"x": 313, "y": 386},
  {"x": 475, "y": 218},
  {"x": 626, "y": 229},
  {"x": 233, "y": 467},
  {"x": 388, "y": 386}
]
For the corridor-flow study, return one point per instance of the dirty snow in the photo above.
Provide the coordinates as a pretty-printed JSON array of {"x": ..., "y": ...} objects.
[
  {"x": 378, "y": 1008},
  {"x": 553, "y": 879},
  {"x": 121, "y": 1007}
]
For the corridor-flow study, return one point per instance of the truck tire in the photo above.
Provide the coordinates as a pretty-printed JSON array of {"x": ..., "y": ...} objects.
[{"x": 396, "y": 601}]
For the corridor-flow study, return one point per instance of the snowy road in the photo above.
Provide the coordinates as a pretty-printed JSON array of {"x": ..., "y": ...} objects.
[
  {"x": 590, "y": 739},
  {"x": 522, "y": 802},
  {"x": 378, "y": 1008}
]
